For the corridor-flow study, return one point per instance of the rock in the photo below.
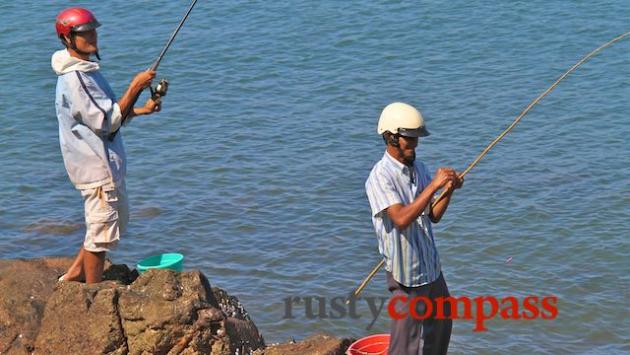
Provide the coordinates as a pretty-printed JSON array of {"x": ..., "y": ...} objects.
[
  {"x": 82, "y": 319},
  {"x": 240, "y": 328},
  {"x": 318, "y": 344},
  {"x": 158, "y": 312},
  {"x": 120, "y": 273},
  {"x": 25, "y": 286},
  {"x": 164, "y": 310}
]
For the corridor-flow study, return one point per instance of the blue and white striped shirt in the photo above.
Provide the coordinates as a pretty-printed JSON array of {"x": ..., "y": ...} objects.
[{"x": 410, "y": 254}]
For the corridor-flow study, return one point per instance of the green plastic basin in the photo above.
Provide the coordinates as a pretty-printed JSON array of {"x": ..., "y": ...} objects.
[{"x": 173, "y": 261}]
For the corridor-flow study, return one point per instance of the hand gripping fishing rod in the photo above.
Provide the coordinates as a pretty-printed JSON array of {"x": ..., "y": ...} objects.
[
  {"x": 494, "y": 142},
  {"x": 162, "y": 87}
]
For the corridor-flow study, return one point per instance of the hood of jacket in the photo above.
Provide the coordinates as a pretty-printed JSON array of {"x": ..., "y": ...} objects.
[{"x": 62, "y": 62}]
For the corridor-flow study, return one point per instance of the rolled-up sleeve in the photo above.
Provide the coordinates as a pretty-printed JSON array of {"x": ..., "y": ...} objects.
[
  {"x": 91, "y": 106},
  {"x": 381, "y": 192}
]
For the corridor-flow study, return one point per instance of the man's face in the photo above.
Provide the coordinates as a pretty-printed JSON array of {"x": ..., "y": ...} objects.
[
  {"x": 86, "y": 42},
  {"x": 407, "y": 146}
]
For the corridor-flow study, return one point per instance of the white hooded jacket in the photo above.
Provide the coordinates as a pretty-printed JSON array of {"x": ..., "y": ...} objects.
[{"x": 88, "y": 114}]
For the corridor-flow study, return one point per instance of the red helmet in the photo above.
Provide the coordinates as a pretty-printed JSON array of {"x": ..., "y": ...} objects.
[{"x": 75, "y": 19}]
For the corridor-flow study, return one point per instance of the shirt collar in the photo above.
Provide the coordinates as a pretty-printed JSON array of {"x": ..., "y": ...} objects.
[{"x": 392, "y": 161}]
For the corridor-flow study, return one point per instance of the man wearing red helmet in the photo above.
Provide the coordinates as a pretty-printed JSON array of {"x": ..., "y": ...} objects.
[{"x": 89, "y": 117}]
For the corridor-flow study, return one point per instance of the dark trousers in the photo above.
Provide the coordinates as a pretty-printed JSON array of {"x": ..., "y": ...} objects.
[{"x": 410, "y": 336}]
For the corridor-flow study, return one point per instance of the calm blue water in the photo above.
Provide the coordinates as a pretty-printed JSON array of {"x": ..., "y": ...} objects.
[{"x": 255, "y": 167}]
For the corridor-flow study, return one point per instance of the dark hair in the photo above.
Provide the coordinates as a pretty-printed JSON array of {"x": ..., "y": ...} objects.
[
  {"x": 390, "y": 137},
  {"x": 63, "y": 40},
  {"x": 386, "y": 136}
]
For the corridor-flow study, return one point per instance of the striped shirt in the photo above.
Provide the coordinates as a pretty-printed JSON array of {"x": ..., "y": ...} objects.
[{"x": 410, "y": 254}]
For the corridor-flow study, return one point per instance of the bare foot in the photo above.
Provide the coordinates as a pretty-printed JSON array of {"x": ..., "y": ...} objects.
[
  {"x": 75, "y": 271},
  {"x": 73, "y": 274}
]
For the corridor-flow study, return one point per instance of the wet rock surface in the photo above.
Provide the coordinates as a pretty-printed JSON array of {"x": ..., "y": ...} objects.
[
  {"x": 238, "y": 325},
  {"x": 158, "y": 312}
]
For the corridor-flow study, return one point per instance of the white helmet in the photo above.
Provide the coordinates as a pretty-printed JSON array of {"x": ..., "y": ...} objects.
[{"x": 403, "y": 119}]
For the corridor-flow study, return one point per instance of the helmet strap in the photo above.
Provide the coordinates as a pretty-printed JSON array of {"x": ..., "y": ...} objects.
[
  {"x": 73, "y": 46},
  {"x": 393, "y": 140}
]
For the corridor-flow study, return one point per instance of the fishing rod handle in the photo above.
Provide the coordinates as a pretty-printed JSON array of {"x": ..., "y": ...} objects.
[
  {"x": 443, "y": 193},
  {"x": 367, "y": 280}
]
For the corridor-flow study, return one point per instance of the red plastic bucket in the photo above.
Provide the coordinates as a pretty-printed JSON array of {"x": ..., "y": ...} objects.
[{"x": 376, "y": 344}]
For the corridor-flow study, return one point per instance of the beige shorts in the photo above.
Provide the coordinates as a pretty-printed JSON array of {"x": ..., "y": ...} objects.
[{"x": 106, "y": 217}]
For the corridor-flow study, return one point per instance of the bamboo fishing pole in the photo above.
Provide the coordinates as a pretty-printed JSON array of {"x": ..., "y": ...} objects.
[{"x": 496, "y": 140}]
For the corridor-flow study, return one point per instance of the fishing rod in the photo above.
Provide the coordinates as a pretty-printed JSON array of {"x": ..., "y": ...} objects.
[
  {"x": 496, "y": 140},
  {"x": 162, "y": 87},
  {"x": 156, "y": 64}
]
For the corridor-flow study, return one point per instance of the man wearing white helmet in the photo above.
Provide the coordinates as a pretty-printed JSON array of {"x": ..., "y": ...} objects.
[{"x": 400, "y": 191}]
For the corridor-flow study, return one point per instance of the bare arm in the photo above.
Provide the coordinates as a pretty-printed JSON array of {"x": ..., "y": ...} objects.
[
  {"x": 139, "y": 82},
  {"x": 404, "y": 215},
  {"x": 438, "y": 210},
  {"x": 149, "y": 107}
]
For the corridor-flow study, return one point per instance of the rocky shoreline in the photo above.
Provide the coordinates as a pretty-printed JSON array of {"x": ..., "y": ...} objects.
[{"x": 158, "y": 312}]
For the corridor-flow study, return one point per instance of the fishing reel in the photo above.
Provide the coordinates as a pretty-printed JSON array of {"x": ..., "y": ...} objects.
[{"x": 159, "y": 91}]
